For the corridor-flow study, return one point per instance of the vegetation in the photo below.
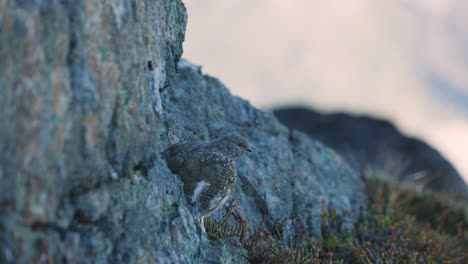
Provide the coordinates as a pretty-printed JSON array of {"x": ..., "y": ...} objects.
[{"x": 402, "y": 226}]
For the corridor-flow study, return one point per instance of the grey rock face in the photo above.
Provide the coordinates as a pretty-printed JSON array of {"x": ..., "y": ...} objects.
[
  {"x": 79, "y": 99},
  {"x": 89, "y": 99},
  {"x": 208, "y": 170},
  {"x": 281, "y": 174}
]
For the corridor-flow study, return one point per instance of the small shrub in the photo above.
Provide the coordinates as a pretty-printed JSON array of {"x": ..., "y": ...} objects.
[{"x": 402, "y": 226}]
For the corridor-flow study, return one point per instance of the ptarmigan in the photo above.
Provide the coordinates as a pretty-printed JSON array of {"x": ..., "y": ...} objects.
[{"x": 207, "y": 169}]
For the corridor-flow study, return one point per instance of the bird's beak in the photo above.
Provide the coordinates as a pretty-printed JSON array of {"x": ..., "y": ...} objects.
[{"x": 249, "y": 149}]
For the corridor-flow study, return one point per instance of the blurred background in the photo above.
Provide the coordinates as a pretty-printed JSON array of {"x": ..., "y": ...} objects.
[{"x": 402, "y": 60}]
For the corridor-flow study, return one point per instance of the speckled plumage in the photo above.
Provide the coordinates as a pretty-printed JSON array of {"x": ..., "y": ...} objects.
[{"x": 207, "y": 169}]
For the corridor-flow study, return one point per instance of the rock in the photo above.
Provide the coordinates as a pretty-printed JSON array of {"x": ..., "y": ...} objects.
[
  {"x": 370, "y": 142},
  {"x": 92, "y": 205},
  {"x": 90, "y": 98},
  {"x": 270, "y": 178},
  {"x": 79, "y": 92},
  {"x": 76, "y": 107},
  {"x": 228, "y": 251},
  {"x": 311, "y": 195}
]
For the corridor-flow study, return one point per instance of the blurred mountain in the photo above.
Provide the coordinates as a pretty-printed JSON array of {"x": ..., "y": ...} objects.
[{"x": 376, "y": 147}]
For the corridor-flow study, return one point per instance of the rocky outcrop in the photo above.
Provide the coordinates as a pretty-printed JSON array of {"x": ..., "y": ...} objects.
[
  {"x": 285, "y": 178},
  {"x": 90, "y": 98},
  {"x": 368, "y": 142}
]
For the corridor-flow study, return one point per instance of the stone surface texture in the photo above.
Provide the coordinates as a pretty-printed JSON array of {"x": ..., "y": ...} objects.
[{"x": 90, "y": 96}]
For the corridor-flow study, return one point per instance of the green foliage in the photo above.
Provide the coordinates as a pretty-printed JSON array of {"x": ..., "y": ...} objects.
[
  {"x": 402, "y": 226},
  {"x": 406, "y": 226}
]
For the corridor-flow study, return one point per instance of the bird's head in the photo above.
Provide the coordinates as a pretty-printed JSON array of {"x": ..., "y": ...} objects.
[{"x": 232, "y": 145}]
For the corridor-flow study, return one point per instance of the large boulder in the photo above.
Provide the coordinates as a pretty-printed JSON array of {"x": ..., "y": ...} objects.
[
  {"x": 375, "y": 144},
  {"x": 288, "y": 175},
  {"x": 80, "y": 94},
  {"x": 90, "y": 98}
]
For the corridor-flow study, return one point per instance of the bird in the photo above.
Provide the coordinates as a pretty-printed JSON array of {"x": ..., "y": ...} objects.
[{"x": 207, "y": 170}]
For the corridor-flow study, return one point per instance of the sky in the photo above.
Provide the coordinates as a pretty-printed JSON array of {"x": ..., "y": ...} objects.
[{"x": 402, "y": 60}]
